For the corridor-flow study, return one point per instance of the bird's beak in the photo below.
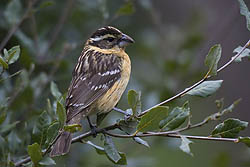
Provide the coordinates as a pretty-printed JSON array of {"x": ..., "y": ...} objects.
[{"x": 125, "y": 41}]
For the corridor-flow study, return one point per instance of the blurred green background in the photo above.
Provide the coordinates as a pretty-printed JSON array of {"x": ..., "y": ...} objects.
[{"x": 172, "y": 40}]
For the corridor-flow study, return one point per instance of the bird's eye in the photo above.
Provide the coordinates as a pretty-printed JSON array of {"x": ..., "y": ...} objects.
[{"x": 110, "y": 39}]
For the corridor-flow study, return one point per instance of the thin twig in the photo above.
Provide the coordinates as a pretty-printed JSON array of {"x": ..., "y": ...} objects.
[
  {"x": 166, "y": 134},
  {"x": 89, "y": 133},
  {"x": 23, "y": 161},
  {"x": 235, "y": 57},
  {"x": 197, "y": 83},
  {"x": 174, "y": 97},
  {"x": 205, "y": 138},
  {"x": 120, "y": 111},
  {"x": 15, "y": 27}
]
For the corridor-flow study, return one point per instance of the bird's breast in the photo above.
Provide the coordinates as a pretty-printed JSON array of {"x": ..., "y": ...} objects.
[{"x": 113, "y": 95}]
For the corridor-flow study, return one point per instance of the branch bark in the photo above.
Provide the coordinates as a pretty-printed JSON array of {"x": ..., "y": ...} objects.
[{"x": 105, "y": 130}]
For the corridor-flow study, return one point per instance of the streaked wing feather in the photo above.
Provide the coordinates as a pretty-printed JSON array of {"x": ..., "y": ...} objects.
[{"x": 92, "y": 80}]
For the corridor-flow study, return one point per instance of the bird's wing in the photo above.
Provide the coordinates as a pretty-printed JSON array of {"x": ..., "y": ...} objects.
[{"x": 93, "y": 75}]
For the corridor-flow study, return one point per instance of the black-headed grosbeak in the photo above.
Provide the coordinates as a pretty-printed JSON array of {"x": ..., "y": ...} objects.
[{"x": 99, "y": 80}]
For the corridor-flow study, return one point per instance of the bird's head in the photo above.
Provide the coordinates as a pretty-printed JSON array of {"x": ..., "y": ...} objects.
[{"x": 109, "y": 38}]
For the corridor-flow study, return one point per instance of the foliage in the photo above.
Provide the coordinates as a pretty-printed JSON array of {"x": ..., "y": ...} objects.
[
  {"x": 244, "y": 11},
  {"x": 206, "y": 89},
  {"x": 36, "y": 66},
  {"x": 229, "y": 128},
  {"x": 212, "y": 59}
]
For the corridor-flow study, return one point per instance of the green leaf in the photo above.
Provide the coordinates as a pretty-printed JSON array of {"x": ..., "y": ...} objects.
[
  {"x": 245, "y": 12},
  {"x": 43, "y": 120},
  {"x": 35, "y": 153},
  {"x": 185, "y": 145},
  {"x": 98, "y": 149},
  {"x": 123, "y": 159},
  {"x": 134, "y": 101},
  {"x": 72, "y": 128},
  {"x": 206, "y": 88},
  {"x": 61, "y": 113},
  {"x": 6, "y": 54},
  {"x": 126, "y": 9},
  {"x": 128, "y": 126},
  {"x": 175, "y": 118},
  {"x": 101, "y": 151},
  {"x": 13, "y": 55},
  {"x": 52, "y": 131},
  {"x": 245, "y": 53},
  {"x": 47, "y": 161},
  {"x": 140, "y": 141},
  {"x": 229, "y": 128},
  {"x": 110, "y": 149},
  {"x": 3, "y": 116},
  {"x": 245, "y": 140},
  {"x": 151, "y": 120},
  {"x": 3, "y": 63},
  {"x": 40, "y": 128},
  {"x": 55, "y": 91},
  {"x": 212, "y": 59}
]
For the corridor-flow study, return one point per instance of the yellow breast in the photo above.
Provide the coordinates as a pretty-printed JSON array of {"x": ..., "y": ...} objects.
[{"x": 113, "y": 95}]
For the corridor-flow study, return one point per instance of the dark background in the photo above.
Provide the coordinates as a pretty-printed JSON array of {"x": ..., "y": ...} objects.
[{"x": 172, "y": 40}]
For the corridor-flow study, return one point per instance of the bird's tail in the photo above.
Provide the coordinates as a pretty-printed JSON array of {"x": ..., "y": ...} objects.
[{"x": 62, "y": 145}]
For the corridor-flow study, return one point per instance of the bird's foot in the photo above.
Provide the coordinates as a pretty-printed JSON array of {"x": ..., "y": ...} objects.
[{"x": 93, "y": 128}]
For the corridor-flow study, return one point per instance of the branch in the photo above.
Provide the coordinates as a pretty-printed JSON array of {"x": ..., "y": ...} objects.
[
  {"x": 166, "y": 134},
  {"x": 197, "y": 83},
  {"x": 74, "y": 140},
  {"x": 174, "y": 134},
  {"x": 120, "y": 111},
  {"x": 15, "y": 27}
]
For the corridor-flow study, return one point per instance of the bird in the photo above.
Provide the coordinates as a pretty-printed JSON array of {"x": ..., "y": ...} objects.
[{"x": 99, "y": 79}]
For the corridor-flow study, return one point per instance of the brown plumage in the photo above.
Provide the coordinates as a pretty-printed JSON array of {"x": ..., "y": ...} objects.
[{"x": 98, "y": 82}]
